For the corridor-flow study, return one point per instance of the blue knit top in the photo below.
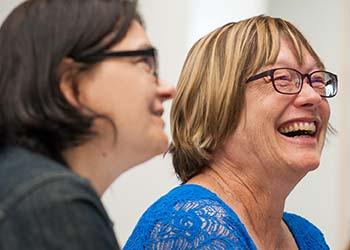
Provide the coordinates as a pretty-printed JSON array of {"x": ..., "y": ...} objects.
[{"x": 192, "y": 217}]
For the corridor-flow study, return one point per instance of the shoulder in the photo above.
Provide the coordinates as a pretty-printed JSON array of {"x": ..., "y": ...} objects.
[
  {"x": 31, "y": 182},
  {"x": 185, "y": 198},
  {"x": 189, "y": 217},
  {"x": 54, "y": 188},
  {"x": 43, "y": 205},
  {"x": 306, "y": 234},
  {"x": 58, "y": 215},
  {"x": 30, "y": 176}
]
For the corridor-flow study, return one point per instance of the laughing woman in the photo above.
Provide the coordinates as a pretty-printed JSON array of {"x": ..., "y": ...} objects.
[{"x": 248, "y": 122}]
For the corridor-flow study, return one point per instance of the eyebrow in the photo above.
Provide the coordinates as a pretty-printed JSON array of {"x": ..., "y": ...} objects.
[
  {"x": 145, "y": 46},
  {"x": 286, "y": 64}
]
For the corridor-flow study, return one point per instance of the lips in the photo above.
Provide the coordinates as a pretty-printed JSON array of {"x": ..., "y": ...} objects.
[
  {"x": 156, "y": 108},
  {"x": 158, "y": 112}
]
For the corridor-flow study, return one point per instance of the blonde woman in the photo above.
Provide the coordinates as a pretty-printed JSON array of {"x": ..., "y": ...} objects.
[{"x": 248, "y": 123}]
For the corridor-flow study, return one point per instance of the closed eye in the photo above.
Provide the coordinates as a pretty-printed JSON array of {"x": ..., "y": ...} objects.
[
  {"x": 317, "y": 79},
  {"x": 146, "y": 62},
  {"x": 282, "y": 78}
]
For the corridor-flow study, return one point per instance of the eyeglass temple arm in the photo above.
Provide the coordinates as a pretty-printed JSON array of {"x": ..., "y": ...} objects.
[{"x": 258, "y": 76}]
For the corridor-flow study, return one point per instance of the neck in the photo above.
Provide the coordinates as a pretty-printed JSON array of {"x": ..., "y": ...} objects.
[
  {"x": 256, "y": 195},
  {"x": 97, "y": 162}
]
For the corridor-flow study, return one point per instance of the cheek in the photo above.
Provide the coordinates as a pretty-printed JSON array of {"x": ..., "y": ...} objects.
[
  {"x": 110, "y": 96},
  {"x": 325, "y": 110},
  {"x": 325, "y": 115},
  {"x": 260, "y": 116},
  {"x": 95, "y": 92},
  {"x": 260, "y": 128}
]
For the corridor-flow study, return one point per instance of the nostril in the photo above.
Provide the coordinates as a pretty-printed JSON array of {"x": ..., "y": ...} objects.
[{"x": 166, "y": 93}]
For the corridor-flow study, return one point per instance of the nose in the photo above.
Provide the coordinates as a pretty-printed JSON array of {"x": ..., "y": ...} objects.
[
  {"x": 165, "y": 92},
  {"x": 308, "y": 97}
]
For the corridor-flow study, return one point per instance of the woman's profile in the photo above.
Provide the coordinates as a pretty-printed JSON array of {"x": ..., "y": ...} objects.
[{"x": 80, "y": 104}]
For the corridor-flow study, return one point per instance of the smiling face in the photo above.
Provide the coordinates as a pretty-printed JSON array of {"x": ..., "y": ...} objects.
[
  {"x": 125, "y": 90},
  {"x": 282, "y": 130}
]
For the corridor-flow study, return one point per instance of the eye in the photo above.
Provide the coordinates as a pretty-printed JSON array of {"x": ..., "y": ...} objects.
[
  {"x": 147, "y": 62},
  {"x": 283, "y": 77},
  {"x": 317, "y": 79},
  {"x": 283, "y": 80},
  {"x": 286, "y": 80}
]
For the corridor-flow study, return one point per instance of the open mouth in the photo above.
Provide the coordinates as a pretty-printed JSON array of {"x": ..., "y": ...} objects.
[{"x": 295, "y": 129}]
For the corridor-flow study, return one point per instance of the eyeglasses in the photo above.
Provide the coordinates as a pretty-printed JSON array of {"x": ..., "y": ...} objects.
[
  {"x": 148, "y": 55},
  {"x": 290, "y": 81}
]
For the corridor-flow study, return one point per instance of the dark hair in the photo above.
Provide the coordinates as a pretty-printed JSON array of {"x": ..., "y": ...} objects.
[{"x": 34, "y": 39}]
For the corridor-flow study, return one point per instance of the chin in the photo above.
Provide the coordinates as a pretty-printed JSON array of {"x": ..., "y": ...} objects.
[
  {"x": 157, "y": 143},
  {"x": 163, "y": 144},
  {"x": 307, "y": 164}
]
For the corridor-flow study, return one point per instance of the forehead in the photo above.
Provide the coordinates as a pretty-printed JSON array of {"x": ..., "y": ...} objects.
[
  {"x": 135, "y": 38},
  {"x": 287, "y": 57}
]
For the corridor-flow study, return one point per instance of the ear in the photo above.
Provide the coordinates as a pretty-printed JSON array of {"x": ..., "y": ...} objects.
[{"x": 67, "y": 85}]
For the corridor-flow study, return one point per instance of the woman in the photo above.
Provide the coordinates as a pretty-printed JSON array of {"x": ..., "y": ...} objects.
[
  {"x": 80, "y": 104},
  {"x": 248, "y": 123}
]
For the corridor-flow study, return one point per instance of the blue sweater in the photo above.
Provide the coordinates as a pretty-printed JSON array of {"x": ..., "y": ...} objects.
[{"x": 192, "y": 217}]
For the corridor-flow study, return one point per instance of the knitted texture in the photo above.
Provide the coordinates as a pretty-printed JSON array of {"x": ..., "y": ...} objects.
[{"x": 192, "y": 217}]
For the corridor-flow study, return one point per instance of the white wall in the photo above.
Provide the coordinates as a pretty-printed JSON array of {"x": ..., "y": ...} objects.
[
  {"x": 207, "y": 15},
  {"x": 6, "y": 7}
]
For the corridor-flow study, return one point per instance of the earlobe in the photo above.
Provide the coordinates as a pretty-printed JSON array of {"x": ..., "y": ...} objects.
[{"x": 67, "y": 84}]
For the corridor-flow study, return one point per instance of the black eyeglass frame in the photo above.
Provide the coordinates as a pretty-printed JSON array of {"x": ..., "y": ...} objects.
[
  {"x": 271, "y": 72},
  {"x": 150, "y": 52}
]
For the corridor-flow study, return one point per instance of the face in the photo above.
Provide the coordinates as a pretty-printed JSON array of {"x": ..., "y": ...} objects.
[
  {"x": 268, "y": 115},
  {"x": 125, "y": 90}
]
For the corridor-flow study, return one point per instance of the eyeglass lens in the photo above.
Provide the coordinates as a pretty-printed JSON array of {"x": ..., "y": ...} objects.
[{"x": 289, "y": 81}]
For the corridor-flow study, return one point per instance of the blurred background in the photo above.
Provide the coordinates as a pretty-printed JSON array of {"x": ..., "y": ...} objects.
[{"x": 323, "y": 196}]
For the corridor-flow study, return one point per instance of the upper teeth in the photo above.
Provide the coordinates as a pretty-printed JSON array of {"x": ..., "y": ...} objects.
[{"x": 307, "y": 126}]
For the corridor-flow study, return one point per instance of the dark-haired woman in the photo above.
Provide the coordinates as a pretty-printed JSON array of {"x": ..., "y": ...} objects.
[{"x": 80, "y": 103}]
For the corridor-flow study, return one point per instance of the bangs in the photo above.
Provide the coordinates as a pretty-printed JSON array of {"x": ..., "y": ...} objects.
[{"x": 266, "y": 41}]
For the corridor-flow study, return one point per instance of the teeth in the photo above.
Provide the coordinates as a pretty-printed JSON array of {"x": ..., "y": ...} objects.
[{"x": 305, "y": 126}]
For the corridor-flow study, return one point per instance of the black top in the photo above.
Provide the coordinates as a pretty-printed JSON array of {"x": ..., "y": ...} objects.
[{"x": 43, "y": 205}]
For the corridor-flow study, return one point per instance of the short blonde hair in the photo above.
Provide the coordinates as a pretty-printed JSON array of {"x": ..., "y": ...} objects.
[{"x": 210, "y": 92}]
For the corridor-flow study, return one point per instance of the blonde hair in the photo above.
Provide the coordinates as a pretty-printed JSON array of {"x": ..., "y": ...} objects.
[{"x": 211, "y": 87}]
